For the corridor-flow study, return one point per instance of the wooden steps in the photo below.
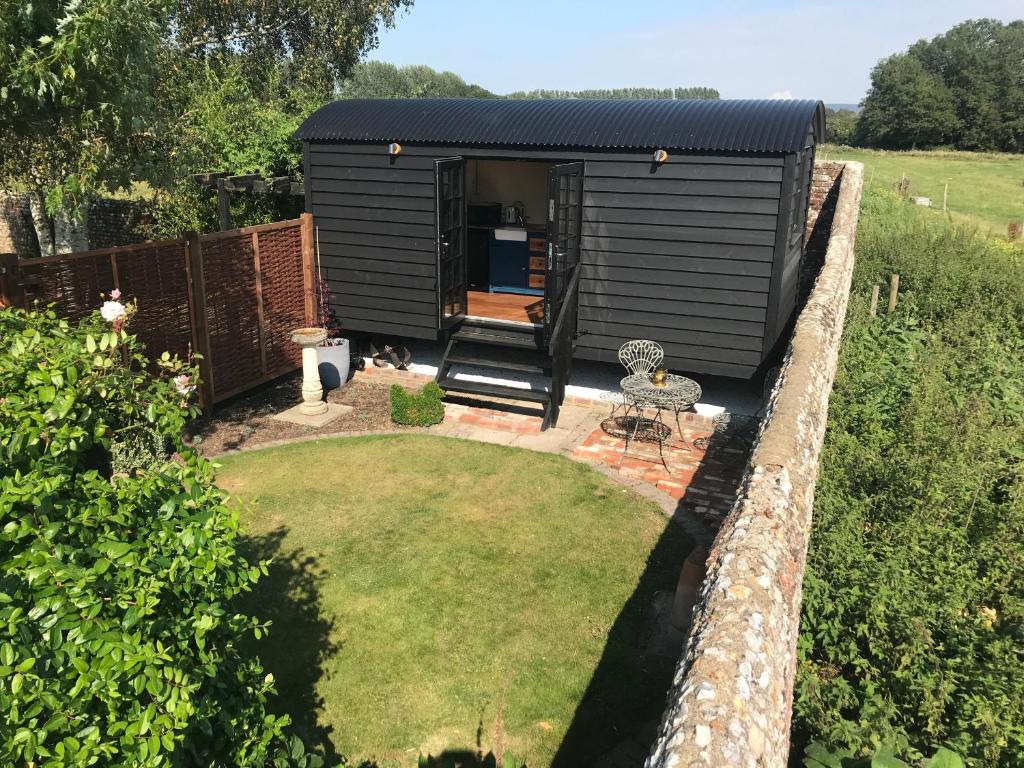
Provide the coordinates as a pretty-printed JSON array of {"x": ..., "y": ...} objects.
[
  {"x": 480, "y": 361},
  {"x": 498, "y": 346},
  {"x": 492, "y": 333}
]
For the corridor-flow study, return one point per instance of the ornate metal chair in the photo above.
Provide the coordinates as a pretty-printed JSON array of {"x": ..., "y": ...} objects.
[
  {"x": 641, "y": 356},
  {"x": 637, "y": 357}
]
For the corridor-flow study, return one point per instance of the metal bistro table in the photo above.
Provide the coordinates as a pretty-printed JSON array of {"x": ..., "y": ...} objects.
[{"x": 678, "y": 394}]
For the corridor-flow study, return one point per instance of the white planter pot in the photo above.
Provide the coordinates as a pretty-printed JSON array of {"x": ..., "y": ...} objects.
[{"x": 333, "y": 363}]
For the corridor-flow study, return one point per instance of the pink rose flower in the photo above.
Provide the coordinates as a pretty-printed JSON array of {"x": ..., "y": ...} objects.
[
  {"x": 115, "y": 295},
  {"x": 183, "y": 384}
]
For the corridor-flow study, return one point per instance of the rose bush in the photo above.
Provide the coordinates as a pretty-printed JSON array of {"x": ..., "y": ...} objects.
[{"x": 118, "y": 638}]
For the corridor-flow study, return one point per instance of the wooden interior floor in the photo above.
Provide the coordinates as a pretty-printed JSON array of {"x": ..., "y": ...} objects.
[{"x": 506, "y": 306}]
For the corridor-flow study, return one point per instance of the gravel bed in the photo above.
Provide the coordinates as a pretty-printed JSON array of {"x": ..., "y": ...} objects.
[{"x": 245, "y": 421}]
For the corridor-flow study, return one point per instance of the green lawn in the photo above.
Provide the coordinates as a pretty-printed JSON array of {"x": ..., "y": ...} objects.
[
  {"x": 985, "y": 189},
  {"x": 441, "y": 596}
]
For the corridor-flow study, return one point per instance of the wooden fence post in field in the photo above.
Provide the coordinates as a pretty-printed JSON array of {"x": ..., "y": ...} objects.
[
  {"x": 308, "y": 273},
  {"x": 894, "y": 289},
  {"x": 197, "y": 307},
  {"x": 874, "y": 301}
]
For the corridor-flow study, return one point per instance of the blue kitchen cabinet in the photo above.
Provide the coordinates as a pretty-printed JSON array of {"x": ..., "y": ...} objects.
[{"x": 510, "y": 263}]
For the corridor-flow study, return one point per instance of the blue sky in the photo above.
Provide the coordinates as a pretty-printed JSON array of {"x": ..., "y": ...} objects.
[{"x": 744, "y": 49}]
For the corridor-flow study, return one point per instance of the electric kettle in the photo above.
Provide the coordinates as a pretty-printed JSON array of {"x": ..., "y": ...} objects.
[{"x": 512, "y": 214}]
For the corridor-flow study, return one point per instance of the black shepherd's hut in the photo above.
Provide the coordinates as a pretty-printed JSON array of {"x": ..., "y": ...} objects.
[{"x": 565, "y": 226}]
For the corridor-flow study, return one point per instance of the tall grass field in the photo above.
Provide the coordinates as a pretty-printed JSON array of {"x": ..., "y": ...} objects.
[
  {"x": 985, "y": 190},
  {"x": 912, "y": 631}
]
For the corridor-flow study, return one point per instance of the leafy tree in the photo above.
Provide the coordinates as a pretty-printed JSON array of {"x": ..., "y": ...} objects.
[
  {"x": 696, "y": 92},
  {"x": 980, "y": 65},
  {"x": 234, "y": 123},
  {"x": 380, "y": 80},
  {"x": 907, "y": 107},
  {"x": 323, "y": 39},
  {"x": 74, "y": 105},
  {"x": 79, "y": 105},
  {"x": 840, "y": 125},
  {"x": 237, "y": 80},
  {"x": 118, "y": 637},
  {"x": 620, "y": 93}
]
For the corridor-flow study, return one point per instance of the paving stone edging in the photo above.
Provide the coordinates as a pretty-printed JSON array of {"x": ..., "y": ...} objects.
[{"x": 732, "y": 695}]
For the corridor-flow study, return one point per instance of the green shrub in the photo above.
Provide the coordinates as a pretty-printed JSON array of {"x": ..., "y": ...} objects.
[
  {"x": 912, "y": 630},
  {"x": 117, "y": 632},
  {"x": 420, "y": 409},
  {"x": 818, "y": 756},
  {"x": 137, "y": 448}
]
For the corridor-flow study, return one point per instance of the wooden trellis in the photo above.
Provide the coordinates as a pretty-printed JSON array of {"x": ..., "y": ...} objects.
[
  {"x": 234, "y": 297},
  {"x": 225, "y": 183}
]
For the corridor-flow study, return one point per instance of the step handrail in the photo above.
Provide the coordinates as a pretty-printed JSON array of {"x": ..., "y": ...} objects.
[
  {"x": 562, "y": 337},
  {"x": 567, "y": 298}
]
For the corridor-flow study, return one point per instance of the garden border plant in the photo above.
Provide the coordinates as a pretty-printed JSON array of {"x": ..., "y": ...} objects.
[
  {"x": 417, "y": 409},
  {"x": 912, "y": 629},
  {"x": 118, "y": 638}
]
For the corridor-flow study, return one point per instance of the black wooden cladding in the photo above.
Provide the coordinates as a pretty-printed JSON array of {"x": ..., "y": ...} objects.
[
  {"x": 601, "y": 302},
  {"x": 600, "y": 273},
  {"x": 681, "y": 256},
  {"x": 686, "y": 253},
  {"x": 671, "y": 202},
  {"x": 673, "y": 357},
  {"x": 595, "y": 211},
  {"x": 766, "y": 190},
  {"x": 593, "y": 242},
  {"x": 653, "y": 290},
  {"x": 726, "y": 267}
]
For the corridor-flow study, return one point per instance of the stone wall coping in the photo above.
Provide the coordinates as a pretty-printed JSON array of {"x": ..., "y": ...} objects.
[{"x": 732, "y": 695}]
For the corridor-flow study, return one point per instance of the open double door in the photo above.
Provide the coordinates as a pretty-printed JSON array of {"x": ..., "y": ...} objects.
[{"x": 564, "y": 225}]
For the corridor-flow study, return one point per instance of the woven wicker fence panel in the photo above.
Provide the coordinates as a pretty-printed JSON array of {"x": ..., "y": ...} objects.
[
  {"x": 76, "y": 285},
  {"x": 283, "y": 298},
  {"x": 229, "y": 276},
  {"x": 156, "y": 278}
]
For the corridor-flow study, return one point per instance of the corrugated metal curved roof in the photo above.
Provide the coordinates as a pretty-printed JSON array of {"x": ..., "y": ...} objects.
[{"x": 688, "y": 125}]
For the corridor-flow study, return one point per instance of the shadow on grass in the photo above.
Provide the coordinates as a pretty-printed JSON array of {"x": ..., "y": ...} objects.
[
  {"x": 299, "y": 643},
  {"x": 620, "y": 710},
  {"x": 471, "y": 758},
  {"x": 617, "y": 720},
  {"x": 463, "y": 758}
]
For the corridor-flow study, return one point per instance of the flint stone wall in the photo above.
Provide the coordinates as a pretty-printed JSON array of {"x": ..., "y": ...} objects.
[
  {"x": 111, "y": 223},
  {"x": 732, "y": 696}
]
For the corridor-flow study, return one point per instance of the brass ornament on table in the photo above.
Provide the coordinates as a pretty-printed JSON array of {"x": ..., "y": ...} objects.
[{"x": 660, "y": 377}]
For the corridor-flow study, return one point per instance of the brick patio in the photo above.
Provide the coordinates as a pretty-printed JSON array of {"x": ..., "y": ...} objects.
[{"x": 703, "y": 472}]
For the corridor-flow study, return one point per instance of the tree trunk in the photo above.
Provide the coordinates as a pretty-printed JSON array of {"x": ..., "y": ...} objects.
[
  {"x": 71, "y": 230},
  {"x": 41, "y": 223}
]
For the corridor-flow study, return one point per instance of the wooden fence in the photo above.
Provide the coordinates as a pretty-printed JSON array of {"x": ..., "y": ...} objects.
[{"x": 234, "y": 297}]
